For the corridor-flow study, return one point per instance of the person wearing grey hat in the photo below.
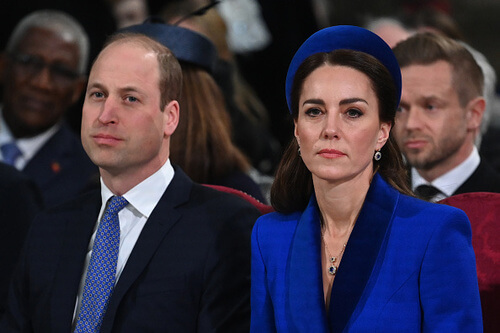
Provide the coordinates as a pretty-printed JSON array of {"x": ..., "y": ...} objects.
[{"x": 349, "y": 248}]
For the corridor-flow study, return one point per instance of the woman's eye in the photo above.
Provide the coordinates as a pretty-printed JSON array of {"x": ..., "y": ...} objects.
[
  {"x": 354, "y": 113},
  {"x": 313, "y": 112}
]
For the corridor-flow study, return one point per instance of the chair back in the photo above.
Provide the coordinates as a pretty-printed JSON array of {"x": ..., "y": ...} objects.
[
  {"x": 483, "y": 210},
  {"x": 262, "y": 207}
]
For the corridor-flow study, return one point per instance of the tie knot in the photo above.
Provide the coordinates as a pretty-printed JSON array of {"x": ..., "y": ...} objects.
[
  {"x": 10, "y": 152},
  {"x": 426, "y": 192},
  {"x": 116, "y": 204}
]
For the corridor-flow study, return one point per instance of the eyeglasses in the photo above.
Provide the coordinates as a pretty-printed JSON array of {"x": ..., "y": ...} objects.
[{"x": 32, "y": 65}]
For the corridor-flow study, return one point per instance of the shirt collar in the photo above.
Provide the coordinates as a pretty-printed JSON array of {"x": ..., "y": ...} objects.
[
  {"x": 449, "y": 182},
  {"x": 144, "y": 196},
  {"x": 28, "y": 146}
]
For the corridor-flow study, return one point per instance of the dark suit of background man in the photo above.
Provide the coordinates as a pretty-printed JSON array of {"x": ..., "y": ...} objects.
[
  {"x": 440, "y": 115},
  {"x": 20, "y": 200},
  {"x": 188, "y": 269},
  {"x": 42, "y": 76}
]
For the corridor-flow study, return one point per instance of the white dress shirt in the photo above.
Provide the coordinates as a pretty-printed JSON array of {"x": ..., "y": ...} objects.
[
  {"x": 28, "y": 146},
  {"x": 142, "y": 199},
  {"x": 452, "y": 180}
]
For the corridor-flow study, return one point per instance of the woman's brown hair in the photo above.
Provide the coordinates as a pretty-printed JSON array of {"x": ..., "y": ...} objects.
[{"x": 202, "y": 145}]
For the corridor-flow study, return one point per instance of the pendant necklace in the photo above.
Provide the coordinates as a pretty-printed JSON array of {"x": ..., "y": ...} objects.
[{"x": 332, "y": 270}]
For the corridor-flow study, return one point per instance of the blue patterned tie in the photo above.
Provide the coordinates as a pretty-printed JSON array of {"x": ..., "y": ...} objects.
[
  {"x": 101, "y": 273},
  {"x": 10, "y": 152}
]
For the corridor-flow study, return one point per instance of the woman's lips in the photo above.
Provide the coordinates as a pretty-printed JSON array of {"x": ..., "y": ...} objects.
[{"x": 330, "y": 153}]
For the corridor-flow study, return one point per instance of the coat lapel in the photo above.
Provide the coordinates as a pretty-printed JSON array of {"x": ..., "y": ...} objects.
[
  {"x": 365, "y": 245},
  {"x": 49, "y": 161},
  {"x": 305, "y": 287},
  {"x": 79, "y": 221},
  {"x": 163, "y": 218}
]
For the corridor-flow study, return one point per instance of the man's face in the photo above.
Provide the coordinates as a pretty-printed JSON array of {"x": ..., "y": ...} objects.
[
  {"x": 124, "y": 131},
  {"x": 431, "y": 126},
  {"x": 39, "y": 81}
]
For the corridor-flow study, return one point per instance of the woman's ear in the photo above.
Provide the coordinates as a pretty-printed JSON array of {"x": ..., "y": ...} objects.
[
  {"x": 383, "y": 136},
  {"x": 296, "y": 131}
]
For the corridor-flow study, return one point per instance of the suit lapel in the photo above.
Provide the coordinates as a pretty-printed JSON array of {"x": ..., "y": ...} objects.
[
  {"x": 50, "y": 160},
  {"x": 306, "y": 311},
  {"x": 162, "y": 219},
  {"x": 79, "y": 221},
  {"x": 364, "y": 246}
]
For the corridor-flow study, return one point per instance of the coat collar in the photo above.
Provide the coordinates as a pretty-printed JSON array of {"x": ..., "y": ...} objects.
[
  {"x": 79, "y": 225},
  {"x": 164, "y": 216},
  {"x": 304, "y": 280}
]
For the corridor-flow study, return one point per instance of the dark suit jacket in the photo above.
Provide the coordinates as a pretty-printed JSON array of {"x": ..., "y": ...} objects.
[
  {"x": 61, "y": 168},
  {"x": 188, "y": 272},
  {"x": 20, "y": 200},
  {"x": 409, "y": 266},
  {"x": 484, "y": 179}
]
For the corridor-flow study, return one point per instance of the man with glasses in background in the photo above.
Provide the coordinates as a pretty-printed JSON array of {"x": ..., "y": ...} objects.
[{"x": 42, "y": 73}]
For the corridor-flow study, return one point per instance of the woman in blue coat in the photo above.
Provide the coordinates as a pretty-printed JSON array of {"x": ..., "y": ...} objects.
[{"x": 349, "y": 248}]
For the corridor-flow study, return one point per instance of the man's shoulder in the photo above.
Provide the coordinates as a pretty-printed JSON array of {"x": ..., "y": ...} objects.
[
  {"x": 188, "y": 194},
  {"x": 65, "y": 147},
  {"x": 206, "y": 196},
  {"x": 483, "y": 179}
]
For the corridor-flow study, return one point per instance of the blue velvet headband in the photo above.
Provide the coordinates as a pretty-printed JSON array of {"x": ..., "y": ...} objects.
[
  {"x": 344, "y": 37},
  {"x": 185, "y": 44}
]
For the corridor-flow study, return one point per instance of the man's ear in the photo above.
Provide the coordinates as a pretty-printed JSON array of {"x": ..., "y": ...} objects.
[
  {"x": 475, "y": 110},
  {"x": 171, "y": 117}
]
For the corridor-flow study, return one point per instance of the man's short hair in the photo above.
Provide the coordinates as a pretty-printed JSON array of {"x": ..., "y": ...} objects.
[
  {"x": 57, "y": 22},
  {"x": 170, "y": 84},
  {"x": 428, "y": 48}
]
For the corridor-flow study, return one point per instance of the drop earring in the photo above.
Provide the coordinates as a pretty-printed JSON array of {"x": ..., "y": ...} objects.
[{"x": 377, "y": 156}]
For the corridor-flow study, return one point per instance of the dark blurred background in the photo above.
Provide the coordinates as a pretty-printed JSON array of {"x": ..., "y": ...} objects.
[{"x": 289, "y": 23}]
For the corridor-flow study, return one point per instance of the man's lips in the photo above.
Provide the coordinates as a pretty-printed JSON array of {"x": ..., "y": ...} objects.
[
  {"x": 35, "y": 104},
  {"x": 415, "y": 144},
  {"x": 106, "y": 139},
  {"x": 330, "y": 153}
]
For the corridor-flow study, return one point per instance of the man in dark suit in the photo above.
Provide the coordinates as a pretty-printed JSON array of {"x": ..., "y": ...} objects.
[
  {"x": 20, "y": 200},
  {"x": 42, "y": 73},
  {"x": 439, "y": 117},
  {"x": 181, "y": 262}
]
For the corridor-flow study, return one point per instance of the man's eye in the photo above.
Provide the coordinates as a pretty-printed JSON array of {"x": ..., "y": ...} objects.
[{"x": 131, "y": 99}]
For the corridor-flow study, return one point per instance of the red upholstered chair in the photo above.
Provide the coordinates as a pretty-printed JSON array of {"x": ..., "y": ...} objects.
[
  {"x": 262, "y": 207},
  {"x": 483, "y": 210}
]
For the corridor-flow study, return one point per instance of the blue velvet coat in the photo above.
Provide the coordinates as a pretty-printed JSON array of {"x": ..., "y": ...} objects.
[{"x": 409, "y": 266}]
